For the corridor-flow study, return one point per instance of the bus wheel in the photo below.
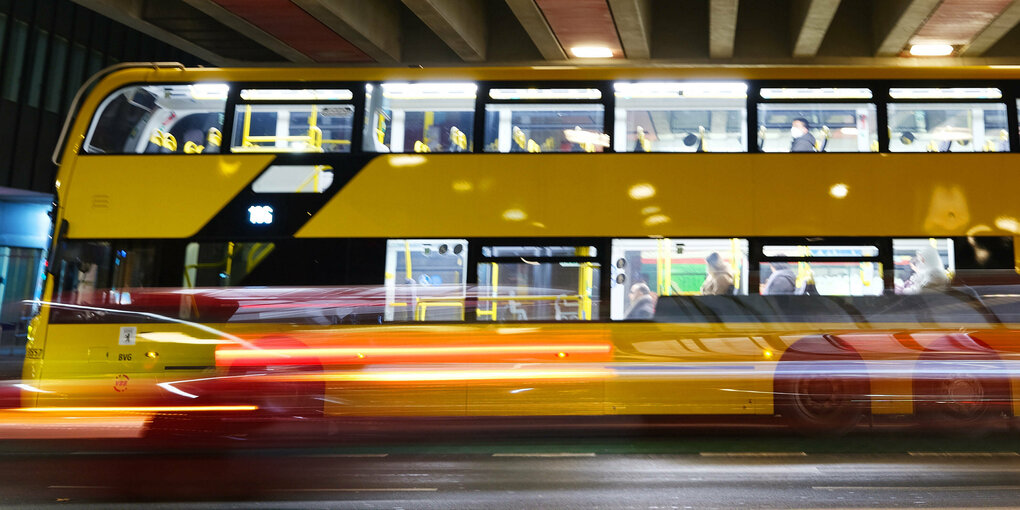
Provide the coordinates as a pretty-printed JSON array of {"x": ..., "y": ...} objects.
[
  {"x": 961, "y": 402},
  {"x": 821, "y": 386},
  {"x": 953, "y": 391},
  {"x": 820, "y": 404}
]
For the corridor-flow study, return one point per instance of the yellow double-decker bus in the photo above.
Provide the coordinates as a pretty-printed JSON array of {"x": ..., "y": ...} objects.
[{"x": 820, "y": 244}]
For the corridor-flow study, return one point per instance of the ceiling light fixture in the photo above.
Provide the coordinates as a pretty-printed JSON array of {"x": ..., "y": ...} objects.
[
  {"x": 931, "y": 50},
  {"x": 591, "y": 52}
]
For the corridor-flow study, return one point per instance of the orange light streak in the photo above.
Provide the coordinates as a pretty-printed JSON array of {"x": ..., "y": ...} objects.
[
  {"x": 129, "y": 409},
  {"x": 335, "y": 354},
  {"x": 452, "y": 375}
]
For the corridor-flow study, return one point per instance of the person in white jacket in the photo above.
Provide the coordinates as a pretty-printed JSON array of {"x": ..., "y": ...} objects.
[{"x": 929, "y": 274}]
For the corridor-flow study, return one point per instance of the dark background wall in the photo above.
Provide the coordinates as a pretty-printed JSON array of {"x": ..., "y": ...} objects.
[{"x": 48, "y": 48}]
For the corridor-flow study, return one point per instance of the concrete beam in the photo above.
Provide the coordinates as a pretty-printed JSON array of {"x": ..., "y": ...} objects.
[
  {"x": 810, "y": 20},
  {"x": 374, "y": 27},
  {"x": 459, "y": 23},
  {"x": 633, "y": 20},
  {"x": 896, "y": 21},
  {"x": 243, "y": 27},
  {"x": 722, "y": 28},
  {"x": 994, "y": 31},
  {"x": 531, "y": 18},
  {"x": 129, "y": 13}
]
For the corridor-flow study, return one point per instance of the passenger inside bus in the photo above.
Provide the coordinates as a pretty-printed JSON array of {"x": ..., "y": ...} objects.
[
  {"x": 929, "y": 273},
  {"x": 782, "y": 281},
  {"x": 719, "y": 278},
  {"x": 642, "y": 302},
  {"x": 803, "y": 140}
]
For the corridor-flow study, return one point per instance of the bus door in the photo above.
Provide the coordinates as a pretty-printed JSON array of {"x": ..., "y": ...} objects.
[
  {"x": 559, "y": 365},
  {"x": 425, "y": 281}
]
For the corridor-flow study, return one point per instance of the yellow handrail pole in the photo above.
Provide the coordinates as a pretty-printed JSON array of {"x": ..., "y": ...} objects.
[
  {"x": 247, "y": 126},
  {"x": 380, "y": 130},
  {"x": 668, "y": 276},
  {"x": 659, "y": 267},
  {"x": 258, "y": 252},
  {"x": 230, "y": 259},
  {"x": 314, "y": 133},
  {"x": 738, "y": 262},
  {"x": 495, "y": 290},
  {"x": 407, "y": 259},
  {"x": 803, "y": 269},
  {"x": 314, "y": 179},
  {"x": 429, "y": 120},
  {"x": 584, "y": 283}
]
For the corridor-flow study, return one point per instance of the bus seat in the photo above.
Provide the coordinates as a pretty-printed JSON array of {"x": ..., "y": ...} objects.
[
  {"x": 458, "y": 140},
  {"x": 192, "y": 141},
  {"x": 213, "y": 139},
  {"x": 161, "y": 142},
  {"x": 155, "y": 142},
  {"x": 823, "y": 141},
  {"x": 516, "y": 312},
  {"x": 566, "y": 309}
]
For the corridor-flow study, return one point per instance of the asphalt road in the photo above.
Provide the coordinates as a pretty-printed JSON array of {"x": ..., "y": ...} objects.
[{"x": 600, "y": 471}]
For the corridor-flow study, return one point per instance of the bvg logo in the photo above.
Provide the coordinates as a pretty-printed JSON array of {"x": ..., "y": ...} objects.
[{"x": 120, "y": 383}]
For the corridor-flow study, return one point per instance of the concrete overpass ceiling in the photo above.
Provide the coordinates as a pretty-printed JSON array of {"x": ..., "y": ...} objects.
[
  {"x": 625, "y": 32},
  {"x": 582, "y": 24},
  {"x": 189, "y": 23}
]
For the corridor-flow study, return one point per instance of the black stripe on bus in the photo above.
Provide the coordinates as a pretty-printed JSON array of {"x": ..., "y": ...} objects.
[{"x": 290, "y": 211}]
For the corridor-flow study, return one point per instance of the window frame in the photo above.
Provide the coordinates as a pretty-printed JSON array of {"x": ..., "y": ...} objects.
[
  {"x": 109, "y": 98},
  {"x": 234, "y": 100},
  {"x": 1010, "y": 92},
  {"x": 605, "y": 87},
  {"x": 878, "y": 88}
]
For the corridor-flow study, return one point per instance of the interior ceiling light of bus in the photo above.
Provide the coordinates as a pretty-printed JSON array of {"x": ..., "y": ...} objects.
[
  {"x": 545, "y": 94},
  {"x": 949, "y": 93},
  {"x": 430, "y": 90},
  {"x": 296, "y": 94},
  {"x": 709, "y": 90},
  {"x": 204, "y": 91},
  {"x": 815, "y": 93}
]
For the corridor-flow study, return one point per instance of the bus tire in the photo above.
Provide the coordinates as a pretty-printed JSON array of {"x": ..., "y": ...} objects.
[
  {"x": 951, "y": 395},
  {"x": 821, "y": 387}
]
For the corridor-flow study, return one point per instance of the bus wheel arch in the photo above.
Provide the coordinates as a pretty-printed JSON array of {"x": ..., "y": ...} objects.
[{"x": 821, "y": 386}]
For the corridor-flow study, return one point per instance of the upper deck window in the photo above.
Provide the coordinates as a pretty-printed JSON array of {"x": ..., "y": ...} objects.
[
  {"x": 419, "y": 117},
  {"x": 545, "y": 120},
  {"x": 829, "y": 119},
  {"x": 947, "y": 120},
  {"x": 681, "y": 117},
  {"x": 293, "y": 120},
  {"x": 182, "y": 119}
]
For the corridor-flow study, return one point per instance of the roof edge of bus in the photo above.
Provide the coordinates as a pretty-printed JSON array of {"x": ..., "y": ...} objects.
[{"x": 568, "y": 71}]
